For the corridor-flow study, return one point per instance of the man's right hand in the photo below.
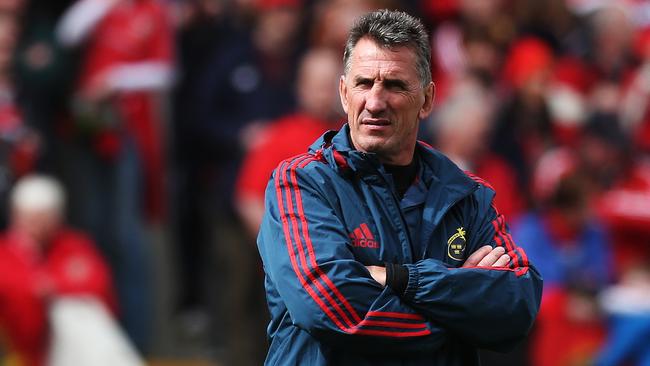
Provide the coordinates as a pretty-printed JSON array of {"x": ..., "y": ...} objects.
[{"x": 486, "y": 256}]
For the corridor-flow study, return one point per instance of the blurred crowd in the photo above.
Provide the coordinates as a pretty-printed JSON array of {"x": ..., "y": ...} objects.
[{"x": 163, "y": 120}]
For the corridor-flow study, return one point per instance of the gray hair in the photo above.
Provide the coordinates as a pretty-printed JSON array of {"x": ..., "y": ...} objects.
[{"x": 391, "y": 29}]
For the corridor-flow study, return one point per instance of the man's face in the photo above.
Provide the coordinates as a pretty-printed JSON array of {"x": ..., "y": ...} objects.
[{"x": 383, "y": 97}]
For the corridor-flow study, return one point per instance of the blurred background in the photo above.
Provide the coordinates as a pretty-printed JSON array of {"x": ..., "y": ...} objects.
[{"x": 162, "y": 120}]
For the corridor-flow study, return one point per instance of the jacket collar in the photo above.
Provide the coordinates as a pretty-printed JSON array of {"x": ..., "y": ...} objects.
[{"x": 337, "y": 150}]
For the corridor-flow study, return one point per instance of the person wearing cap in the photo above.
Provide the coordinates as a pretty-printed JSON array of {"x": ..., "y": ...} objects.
[
  {"x": 41, "y": 259},
  {"x": 377, "y": 249}
]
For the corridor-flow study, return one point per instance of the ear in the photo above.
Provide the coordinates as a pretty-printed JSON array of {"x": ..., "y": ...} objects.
[
  {"x": 343, "y": 93},
  {"x": 427, "y": 107}
]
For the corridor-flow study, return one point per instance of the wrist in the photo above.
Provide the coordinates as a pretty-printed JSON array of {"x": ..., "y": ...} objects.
[{"x": 397, "y": 277}]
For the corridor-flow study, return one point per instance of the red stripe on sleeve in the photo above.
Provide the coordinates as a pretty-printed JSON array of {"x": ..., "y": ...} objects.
[
  {"x": 385, "y": 314},
  {"x": 386, "y": 333},
  {"x": 314, "y": 271},
  {"x": 290, "y": 250},
  {"x": 310, "y": 247},
  {"x": 393, "y": 324}
]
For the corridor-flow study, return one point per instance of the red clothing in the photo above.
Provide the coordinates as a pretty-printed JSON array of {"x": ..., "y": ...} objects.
[
  {"x": 72, "y": 266},
  {"x": 560, "y": 341},
  {"x": 134, "y": 32},
  {"x": 626, "y": 209},
  {"x": 502, "y": 177},
  {"x": 284, "y": 138}
]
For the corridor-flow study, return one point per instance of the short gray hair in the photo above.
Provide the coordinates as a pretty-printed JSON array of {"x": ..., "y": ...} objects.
[{"x": 391, "y": 29}]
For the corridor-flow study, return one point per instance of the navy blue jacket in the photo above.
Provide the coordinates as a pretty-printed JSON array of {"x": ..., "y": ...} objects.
[{"x": 333, "y": 211}]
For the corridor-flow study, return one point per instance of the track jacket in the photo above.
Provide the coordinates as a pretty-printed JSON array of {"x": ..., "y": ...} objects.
[{"x": 332, "y": 211}]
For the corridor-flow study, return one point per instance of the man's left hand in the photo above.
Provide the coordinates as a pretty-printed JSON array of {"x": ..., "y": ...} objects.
[
  {"x": 378, "y": 273},
  {"x": 486, "y": 256}
]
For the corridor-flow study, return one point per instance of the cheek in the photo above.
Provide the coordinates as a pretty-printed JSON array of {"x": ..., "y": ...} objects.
[{"x": 355, "y": 106}]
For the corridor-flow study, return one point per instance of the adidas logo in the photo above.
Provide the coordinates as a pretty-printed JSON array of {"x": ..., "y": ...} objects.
[{"x": 362, "y": 237}]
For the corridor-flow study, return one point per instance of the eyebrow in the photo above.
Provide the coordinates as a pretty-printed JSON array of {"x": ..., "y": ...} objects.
[
  {"x": 387, "y": 81},
  {"x": 358, "y": 79},
  {"x": 395, "y": 82}
]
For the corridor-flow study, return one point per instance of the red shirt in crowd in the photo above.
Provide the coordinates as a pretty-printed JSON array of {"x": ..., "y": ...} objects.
[
  {"x": 70, "y": 265},
  {"x": 131, "y": 49},
  {"x": 626, "y": 210},
  {"x": 287, "y": 137}
]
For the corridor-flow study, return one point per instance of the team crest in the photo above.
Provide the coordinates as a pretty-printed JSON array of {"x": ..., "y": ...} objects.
[{"x": 456, "y": 245}]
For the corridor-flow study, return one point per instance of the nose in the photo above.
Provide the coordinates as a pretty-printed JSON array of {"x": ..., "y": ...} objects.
[{"x": 376, "y": 100}]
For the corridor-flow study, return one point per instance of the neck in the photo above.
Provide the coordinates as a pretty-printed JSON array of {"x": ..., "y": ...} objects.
[
  {"x": 403, "y": 175},
  {"x": 404, "y": 158}
]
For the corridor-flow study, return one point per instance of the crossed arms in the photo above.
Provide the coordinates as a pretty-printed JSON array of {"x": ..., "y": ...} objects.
[{"x": 330, "y": 294}]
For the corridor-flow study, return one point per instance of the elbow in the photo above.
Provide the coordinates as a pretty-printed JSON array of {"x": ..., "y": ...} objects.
[
  {"x": 521, "y": 315},
  {"x": 515, "y": 320}
]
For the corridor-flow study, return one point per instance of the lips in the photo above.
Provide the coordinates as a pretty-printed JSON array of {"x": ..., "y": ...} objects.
[{"x": 375, "y": 122}]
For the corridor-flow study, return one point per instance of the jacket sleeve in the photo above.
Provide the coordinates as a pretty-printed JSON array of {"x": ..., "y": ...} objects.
[
  {"x": 489, "y": 307},
  {"x": 326, "y": 291}
]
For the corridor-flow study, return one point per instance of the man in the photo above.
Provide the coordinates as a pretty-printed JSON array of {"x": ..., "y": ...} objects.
[
  {"x": 376, "y": 248},
  {"x": 41, "y": 259}
]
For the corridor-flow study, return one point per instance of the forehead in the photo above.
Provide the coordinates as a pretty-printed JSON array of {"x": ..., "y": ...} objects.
[{"x": 368, "y": 56}]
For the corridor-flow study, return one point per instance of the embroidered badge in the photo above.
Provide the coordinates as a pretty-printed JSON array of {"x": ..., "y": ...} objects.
[{"x": 456, "y": 245}]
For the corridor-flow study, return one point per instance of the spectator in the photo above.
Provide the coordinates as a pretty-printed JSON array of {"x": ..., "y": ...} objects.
[
  {"x": 612, "y": 31},
  {"x": 522, "y": 132},
  {"x": 573, "y": 256},
  {"x": 246, "y": 82},
  {"x": 461, "y": 131},
  {"x": 116, "y": 163},
  {"x": 40, "y": 259},
  {"x": 622, "y": 181},
  {"x": 318, "y": 111},
  {"x": 566, "y": 97},
  {"x": 472, "y": 43}
]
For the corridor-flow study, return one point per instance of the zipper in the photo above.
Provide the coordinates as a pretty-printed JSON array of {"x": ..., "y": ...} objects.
[{"x": 402, "y": 220}]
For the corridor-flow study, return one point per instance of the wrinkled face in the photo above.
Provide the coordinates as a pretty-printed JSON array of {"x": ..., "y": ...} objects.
[{"x": 383, "y": 97}]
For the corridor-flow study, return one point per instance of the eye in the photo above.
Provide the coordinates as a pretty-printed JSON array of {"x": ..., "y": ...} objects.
[
  {"x": 364, "y": 83},
  {"x": 396, "y": 85}
]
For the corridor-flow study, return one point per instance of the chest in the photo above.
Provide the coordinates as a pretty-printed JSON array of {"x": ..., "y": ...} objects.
[{"x": 382, "y": 228}]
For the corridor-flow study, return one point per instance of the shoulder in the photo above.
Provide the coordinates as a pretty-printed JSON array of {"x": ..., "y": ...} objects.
[
  {"x": 484, "y": 193},
  {"x": 481, "y": 182},
  {"x": 302, "y": 165}
]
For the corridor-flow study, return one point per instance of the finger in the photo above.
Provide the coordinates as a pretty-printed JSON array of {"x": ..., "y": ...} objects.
[
  {"x": 492, "y": 257},
  {"x": 477, "y": 256},
  {"x": 378, "y": 274},
  {"x": 502, "y": 261}
]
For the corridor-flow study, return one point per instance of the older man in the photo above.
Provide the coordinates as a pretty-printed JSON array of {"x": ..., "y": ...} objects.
[{"x": 376, "y": 248}]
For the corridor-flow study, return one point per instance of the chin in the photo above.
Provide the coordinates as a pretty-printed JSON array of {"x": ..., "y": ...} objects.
[{"x": 371, "y": 142}]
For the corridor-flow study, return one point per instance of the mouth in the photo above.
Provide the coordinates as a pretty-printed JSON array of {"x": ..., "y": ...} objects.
[{"x": 375, "y": 122}]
